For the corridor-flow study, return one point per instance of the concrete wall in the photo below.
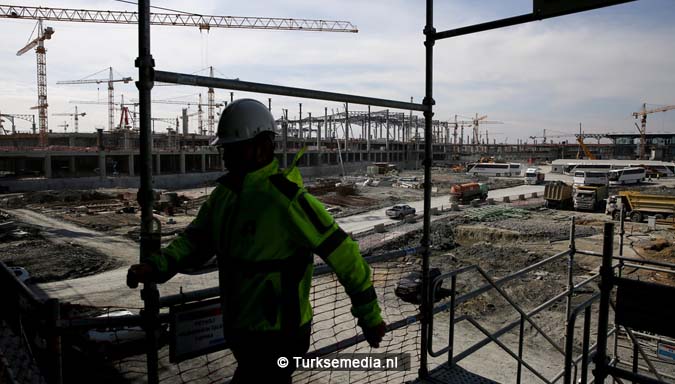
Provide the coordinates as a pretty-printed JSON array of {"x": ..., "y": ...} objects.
[
  {"x": 161, "y": 182},
  {"x": 176, "y": 181}
]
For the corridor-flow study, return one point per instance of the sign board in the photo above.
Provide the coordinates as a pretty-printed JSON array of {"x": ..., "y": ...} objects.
[
  {"x": 196, "y": 329},
  {"x": 552, "y": 8},
  {"x": 665, "y": 351}
]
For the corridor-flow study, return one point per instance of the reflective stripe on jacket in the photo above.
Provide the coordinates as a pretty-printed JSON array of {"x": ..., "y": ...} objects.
[{"x": 264, "y": 233}]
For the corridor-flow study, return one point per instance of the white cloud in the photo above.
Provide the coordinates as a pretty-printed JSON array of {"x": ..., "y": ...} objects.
[{"x": 552, "y": 74}]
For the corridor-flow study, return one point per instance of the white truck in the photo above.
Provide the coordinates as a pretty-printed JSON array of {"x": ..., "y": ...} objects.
[{"x": 534, "y": 176}]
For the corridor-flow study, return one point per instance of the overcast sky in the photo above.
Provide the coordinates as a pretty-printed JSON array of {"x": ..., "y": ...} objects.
[{"x": 595, "y": 68}]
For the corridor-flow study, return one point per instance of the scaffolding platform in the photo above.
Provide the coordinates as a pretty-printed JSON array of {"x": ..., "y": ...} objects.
[{"x": 455, "y": 374}]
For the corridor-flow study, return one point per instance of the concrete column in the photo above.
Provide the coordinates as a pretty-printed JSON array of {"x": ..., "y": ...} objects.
[
  {"x": 47, "y": 166},
  {"x": 181, "y": 162},
  {"x": 346, "y": 127},
  {"x": 284, "y": 140},
  {"x": 368, "y": 135},
  {"x": 386, "y": 138},
  {"x": 300, "y": 134},
  {"x": 101, "y": 164},
  {"x": 203, "y": 162},
  {"x": 71, "y": 165},
  {"x": 158, "y": 164},
  {"x": 131, "y": 165},
  {"x": 71, "y": 141}
]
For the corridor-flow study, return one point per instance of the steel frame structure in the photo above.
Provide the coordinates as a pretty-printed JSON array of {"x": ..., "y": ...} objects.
[
  {"x": 147, "y": 75},
  {"x": 204, "y": 22}
]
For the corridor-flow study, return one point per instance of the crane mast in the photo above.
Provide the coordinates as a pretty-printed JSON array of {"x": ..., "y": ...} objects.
[
  {"x": 642, "y": 128},
  {"x": 41, "y": 53},
  {"x": 211, "y": 103}
]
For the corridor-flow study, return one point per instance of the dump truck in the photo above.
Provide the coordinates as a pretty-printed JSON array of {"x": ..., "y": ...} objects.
[
  {"x": 637, "y": 206},
  {"x": 589, "y": 198},
  {"x": 534, "y": 176},
  {"x": 468, "y": 191},
  {"x": 558, "y": 195}
]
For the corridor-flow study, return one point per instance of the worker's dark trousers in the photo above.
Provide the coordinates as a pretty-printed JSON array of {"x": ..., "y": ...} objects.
[{"x": 257, "y": 355}]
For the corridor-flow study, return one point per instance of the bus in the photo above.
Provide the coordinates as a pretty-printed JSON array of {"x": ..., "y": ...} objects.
[
  {"x": 494, "y": 169},
  {"x": 627, "y": 176},
  {"x": 653, "y": 167},
  {"x": 590, "y": 178}
]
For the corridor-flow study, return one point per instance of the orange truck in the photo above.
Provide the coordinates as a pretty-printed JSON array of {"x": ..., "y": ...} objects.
[{"x": 467, "y": 192}]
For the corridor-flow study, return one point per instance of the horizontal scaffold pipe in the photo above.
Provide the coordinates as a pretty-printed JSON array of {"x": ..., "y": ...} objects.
[{"x": 246, "y": 86}]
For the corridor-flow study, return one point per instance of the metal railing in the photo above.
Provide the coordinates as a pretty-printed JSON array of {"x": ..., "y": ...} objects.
[
  {"x": 524, "y": 317},
  {"x": 576, "y": 366}
]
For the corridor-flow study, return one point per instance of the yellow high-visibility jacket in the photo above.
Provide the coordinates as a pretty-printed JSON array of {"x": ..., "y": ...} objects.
[{"x": 264, "y": 233}]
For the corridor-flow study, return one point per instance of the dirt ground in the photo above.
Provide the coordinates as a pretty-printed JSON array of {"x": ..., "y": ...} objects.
[
  {"x": 499, "y": 246},
  {"x": 26, "y": 247}
]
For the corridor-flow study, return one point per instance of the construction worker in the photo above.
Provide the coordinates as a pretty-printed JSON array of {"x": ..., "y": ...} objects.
[{"x": 264, "y": 228}]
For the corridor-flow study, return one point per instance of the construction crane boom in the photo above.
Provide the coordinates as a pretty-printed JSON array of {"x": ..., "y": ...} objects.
[
  {"x": 111, "y": 92},
  {"x": 642, "y": 128},
  {"x": 203, "y": 22},
  {"x": 76, "y": 116},
  {"x": 477, "y": 121}
]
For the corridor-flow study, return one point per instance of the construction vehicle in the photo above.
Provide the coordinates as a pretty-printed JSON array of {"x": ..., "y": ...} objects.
[
  {"x": 558, "y": 195},
  {"x": 637, "y": 206},
  {"x": 589, "y": 197},
  {"x": 587, "y": 152},
  {"x": 597, "y": 178},
  {"x": 467, "y": 192},
  {"x": 642, "y": 128},
  {"x": 534, "y": 176}
]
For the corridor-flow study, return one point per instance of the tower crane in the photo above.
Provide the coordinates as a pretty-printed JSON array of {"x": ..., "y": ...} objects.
[
  {"x": 12, "y": 116},
  {"x": 39, "y": 44},
  {"x": 200, "y": 122},
  {"x": 64, "y": 126},
  {"x": 642, "y": 128},
  {"x": 75, "y": 117},
  {"x": 203, "y": 22},
  {"x": 477, "y": 122},
  {"x": 111, "y": 91}
]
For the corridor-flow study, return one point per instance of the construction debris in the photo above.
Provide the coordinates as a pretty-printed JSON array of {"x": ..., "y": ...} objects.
[{"x": 494, "y": 213}]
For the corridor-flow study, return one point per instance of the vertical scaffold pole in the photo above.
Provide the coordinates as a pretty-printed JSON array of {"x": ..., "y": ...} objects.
[
  {"x": 428, "y": 101},
  {"x": 149, "y": 240}
]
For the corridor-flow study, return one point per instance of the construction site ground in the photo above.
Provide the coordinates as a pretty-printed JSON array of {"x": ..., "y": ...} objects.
[{"x": 77, "y": 246}]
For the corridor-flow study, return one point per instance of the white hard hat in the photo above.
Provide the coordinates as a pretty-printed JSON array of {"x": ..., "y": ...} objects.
[{"x": 243, "y": 119}]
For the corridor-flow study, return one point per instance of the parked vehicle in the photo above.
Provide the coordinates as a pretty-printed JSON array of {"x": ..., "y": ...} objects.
[
  {"x": 589, "y": 197},
  {"x": 466, "y": 192},
  {"x": 534, "y": 176},
  {"x": 119, "y": 341},
  {"x": 494, "y": 169},
  {"x": 591, "y": 178},
  {"x": 400, "y": 211},
  {"x": 558, "y": 195},
  {"x": 637, "y": 206},
  {"x": 627, "y": 176}
]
